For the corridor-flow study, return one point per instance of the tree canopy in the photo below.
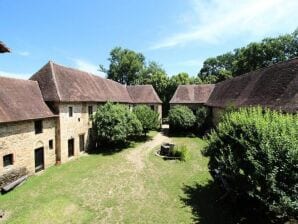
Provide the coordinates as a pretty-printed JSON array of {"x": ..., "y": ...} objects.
[{"x": 125, "y": 65}]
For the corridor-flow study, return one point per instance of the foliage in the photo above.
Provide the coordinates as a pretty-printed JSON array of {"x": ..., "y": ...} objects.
[
  {"x": 203, "y": 117},
  {"x": 148, "y": 118},
  {"x": 181, "y": 152},
  {"x": 249, "y": 58},
  {"x": 115, "y": 123},
  {"x": 256, "y": 153},
  {"x": 181, "y": 118},
  {"x": 125, "y": 65}
]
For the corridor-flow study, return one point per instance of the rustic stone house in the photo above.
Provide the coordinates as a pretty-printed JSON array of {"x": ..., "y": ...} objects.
[
  {"x": 27, "y": 127},
  {"x": 274, "y": 87},
  {"x": 73, "y": 95}
]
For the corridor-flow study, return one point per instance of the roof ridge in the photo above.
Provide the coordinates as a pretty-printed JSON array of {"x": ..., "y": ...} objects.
[
  {"x": 19, "y": 79},
  {"x": 54, "y": 78}
]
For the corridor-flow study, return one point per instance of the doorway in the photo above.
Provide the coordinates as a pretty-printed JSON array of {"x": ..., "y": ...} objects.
[
  {"x": 70, "y": 147},
  {"x": 39, "y": 159}
]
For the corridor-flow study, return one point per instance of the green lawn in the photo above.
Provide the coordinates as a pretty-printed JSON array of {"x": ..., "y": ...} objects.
[{"x": 103, "y": 188}]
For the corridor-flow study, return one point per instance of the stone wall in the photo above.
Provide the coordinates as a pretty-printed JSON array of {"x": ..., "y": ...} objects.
[
  {"x": 19, "y": 139},
  {"x": 72, "y": 128}
]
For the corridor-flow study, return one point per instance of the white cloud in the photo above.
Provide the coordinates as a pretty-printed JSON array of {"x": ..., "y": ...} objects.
[
  {"x": 217, "y": 20},
  {"x": 24, "y": 53},
  {"x": 88, "y": 67},
  {"x": 15, "y": 75}
]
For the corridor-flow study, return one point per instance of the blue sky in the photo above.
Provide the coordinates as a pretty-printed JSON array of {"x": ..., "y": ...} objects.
[{"x": 178, "y": 34}]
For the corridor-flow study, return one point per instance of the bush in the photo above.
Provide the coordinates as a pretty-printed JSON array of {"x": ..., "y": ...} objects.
[
  {"x": 181, "y": 118},
  {"x": 203, "y": 118},
  {"x": 148, "y": 118},
  {"x": 181, "y": 152},
  {"x": 12, "y": 175},
  {"x": 255, "y": 152},
  {"x": 114, "y": 123}
]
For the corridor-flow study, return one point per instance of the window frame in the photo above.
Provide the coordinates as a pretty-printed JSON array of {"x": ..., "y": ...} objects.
[
  {"x": 38, "y": 126},
  {"x": 51, "y": 144},
  {"x": 70, "y": 111},
  {"x": 11, "y": 159}
]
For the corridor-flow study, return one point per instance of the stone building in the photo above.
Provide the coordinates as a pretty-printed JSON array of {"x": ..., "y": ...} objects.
[
  {"x": 73, "y": 95},
  {"x": 27, "y": 127}
]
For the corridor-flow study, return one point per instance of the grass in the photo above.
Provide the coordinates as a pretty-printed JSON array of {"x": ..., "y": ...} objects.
[{"x": 108, "y": 189}]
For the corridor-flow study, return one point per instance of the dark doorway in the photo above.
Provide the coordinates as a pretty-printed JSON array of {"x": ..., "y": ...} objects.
[
  {"x": 70, "y": 147},
  {"x": 82, "y": 143},
  {"x": 39, "y": 159}
]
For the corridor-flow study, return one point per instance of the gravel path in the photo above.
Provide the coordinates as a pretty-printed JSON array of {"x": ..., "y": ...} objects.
[{"x": 138, "y": 155}]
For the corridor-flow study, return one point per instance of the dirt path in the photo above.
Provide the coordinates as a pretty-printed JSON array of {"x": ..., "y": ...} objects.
[{"x": 137, "y": 156}]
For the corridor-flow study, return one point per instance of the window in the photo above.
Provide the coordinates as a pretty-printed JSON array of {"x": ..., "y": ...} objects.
[
  {"x": 7, "y": 160},
  {"x": 82, "y": 142},
  {"x": 152, "y": 107},
  {"x": 38, "y": 126},
  {"x": 51, "y": 144},
  {"x": 70, "y": 111},
  {"x": 90, "y": 111}
]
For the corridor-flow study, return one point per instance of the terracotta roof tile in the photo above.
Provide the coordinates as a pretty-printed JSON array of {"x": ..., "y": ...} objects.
[
  {"x": 192, "y": 94},
  {"x": 21, "y": 100},
  {"x": 275, "y": 87},
  {"x": 62, "y": 84},
  {"x": 3, "y": 48},
  {"x": 143, "y": 94}
]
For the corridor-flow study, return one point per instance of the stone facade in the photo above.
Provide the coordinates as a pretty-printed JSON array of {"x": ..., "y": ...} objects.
[
  {"x": 72, "y": 127},
  {"x": 20, "y": 140}
]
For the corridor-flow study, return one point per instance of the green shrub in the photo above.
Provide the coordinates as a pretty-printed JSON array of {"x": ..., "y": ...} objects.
[
  {"x": 256, "y": 153},
  {"x": 203, "y": 118},
  {"x": 180, "y": 151},
  {"x": 181, "y": 118},
  {"x": 148, "y": 118},
  {"x": 114, "y": 123}
]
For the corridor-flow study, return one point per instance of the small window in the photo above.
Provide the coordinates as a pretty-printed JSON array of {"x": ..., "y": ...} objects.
[
  {"x": 90, "y": 111},
  {"x": 38, "y": 126},
  {"x": 70, "y": 111},
  {"x": 152, "y": 107},
  {"x": 7, "y": 160},
  {"x": 51, "y": 144}
]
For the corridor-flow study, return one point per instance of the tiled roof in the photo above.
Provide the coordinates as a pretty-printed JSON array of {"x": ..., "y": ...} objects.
[
  {"x": 3, "y": 48},
  {"x": 143, "y": 94},
  {"x": 192, "y": 94},
  {"x": 62, "y": 84},
  {"x": 21, "y": 100},
  {"x": 275, "y": 87}
]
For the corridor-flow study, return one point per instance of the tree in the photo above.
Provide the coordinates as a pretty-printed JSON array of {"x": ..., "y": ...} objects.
[
  {"x": 148, "y": 118},
  {"x": 114, "y": 123},
  {"x": 125, "y": 65},
  {"x": 181, "y": 118}
]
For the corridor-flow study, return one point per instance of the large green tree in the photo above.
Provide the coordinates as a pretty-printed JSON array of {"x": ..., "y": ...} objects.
[{"x": 125, "y": 65}]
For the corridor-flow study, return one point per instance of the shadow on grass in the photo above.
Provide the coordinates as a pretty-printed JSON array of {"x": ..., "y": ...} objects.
[
  {"x": 112, "y": 148},
  {"x": 209, "y": 207}
]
